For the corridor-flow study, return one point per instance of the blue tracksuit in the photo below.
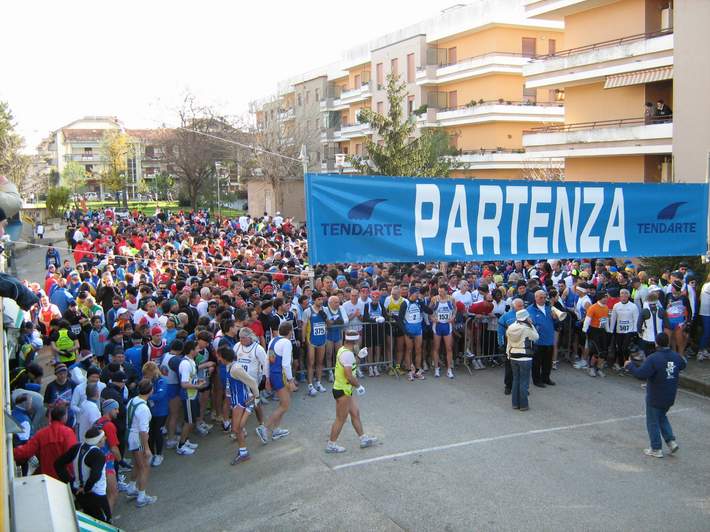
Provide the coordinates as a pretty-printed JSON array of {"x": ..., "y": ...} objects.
[{"x": 543, "y": 323}]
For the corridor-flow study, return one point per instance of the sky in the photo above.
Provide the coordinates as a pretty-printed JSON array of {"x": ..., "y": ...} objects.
[{"x": 62, "y": 60}]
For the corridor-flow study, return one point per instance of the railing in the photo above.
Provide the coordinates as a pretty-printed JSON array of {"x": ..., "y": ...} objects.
[
  {"x": 484, "y": 151},
  {"x": 528, "y": 103},
  {"x": 85, "y": 157},
  {"x": 469, "y": 59},
  {"x": 600, "y": 124},
  {"x": 605, "y": 44}
]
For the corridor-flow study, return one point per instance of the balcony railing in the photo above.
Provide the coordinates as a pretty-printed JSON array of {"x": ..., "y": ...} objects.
[
  {"x": 605, "y": 44},
  {"x": 469, "y": 59},
  {"x": 600, "y": 124},
  {"x": 484, "y": 151},
  {"x": 529, "y": 103},
  {"x": 83, "y": 157}
]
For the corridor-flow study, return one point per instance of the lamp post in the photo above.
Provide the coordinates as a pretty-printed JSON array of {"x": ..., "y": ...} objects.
[{"x": 217, "y": 169}]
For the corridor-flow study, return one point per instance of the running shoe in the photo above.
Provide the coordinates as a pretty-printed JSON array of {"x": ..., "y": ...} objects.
[
  {"x": 123, "y": 487},
  {"x": 410, "y": 376},
  {"x": 320, "y": 387},
  {"x": 331, "y": 376},
  {"x": 262, "y": 433},
  {"x": 232, "y": 436},
  {"x": 163, "y": 430},
  {"x": 425, "y": 367},
  {"x": 600, "y": 373},
  {"x": 477, "y": 364},
  {"x": 580, "y": 364},
  {"x": 367, "y": 441},
  {"x": 419, "y": 375},
  {"x": 616, "y": 367},
  {"x": 592, "y": 372},
  {"x": 157, "y": 460},
  {"x": 131, "y": 493},
  {"x": 145, "y": 500},
  {"x": 656, "y": 453},
  {"x": 370, "y": 371},
  {"x": 358, "y": 373},
  {"x": 185, "y": 451},
  {"x": 312, "y": 392},
  {"x": 202, "y": 431},
  {"x": 171, "y": 444},
  {"x": 239, "y": 458},
  {"x": 191, "y": 445},
  {"x": 469, "y": 354},
  {"x": 279, "y": 433},
  {"x": 450, "y": 373},
  {"x": 333, "y": 448},
  {"x": 437, "y": 373},
  {"x": 555, "y": 365},
  {"x": 207, "y": 426},
  {"x": 226, "y": 426},
  {"x": 673, "y": 446},
  {"x": 375, "y": 371}
]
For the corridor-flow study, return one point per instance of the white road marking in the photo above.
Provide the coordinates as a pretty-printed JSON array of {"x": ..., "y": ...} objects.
[{"x": 494, "y": 438}]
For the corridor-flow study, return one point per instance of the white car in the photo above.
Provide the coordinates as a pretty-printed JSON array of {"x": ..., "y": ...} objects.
[{"x": 121, "y": 212}]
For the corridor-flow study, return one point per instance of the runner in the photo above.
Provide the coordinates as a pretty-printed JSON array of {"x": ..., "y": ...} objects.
[
  {"x": 596, "y": 326},
  {"x": 138, "y": 424},
  {"x": 624, "y": 319},
  {"x": 443, "y": 317},
  {"x": 314, "y": 334},
  {"x": 410, "y": 320}
]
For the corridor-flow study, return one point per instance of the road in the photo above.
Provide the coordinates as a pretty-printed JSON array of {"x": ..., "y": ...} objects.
[{"x": 452, "y": 455}]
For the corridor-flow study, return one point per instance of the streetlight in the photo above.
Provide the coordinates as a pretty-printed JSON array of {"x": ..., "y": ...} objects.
[{"x": 218, "y": 168}]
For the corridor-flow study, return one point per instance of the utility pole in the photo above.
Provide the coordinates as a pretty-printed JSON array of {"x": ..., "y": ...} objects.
[{"x": 217, "y": 169}]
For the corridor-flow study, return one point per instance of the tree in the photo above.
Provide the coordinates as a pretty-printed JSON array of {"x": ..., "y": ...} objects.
[
  {"x": 116, "y": 148},
  {"x": 163, "y": 184},
  {"x": 57, "y": 200},
  {"x": 192, "y": 149},
  {"x": 399, "y": 153},
  {"x": 13, "y": 163},
  {"x": 74, "y": 176}
]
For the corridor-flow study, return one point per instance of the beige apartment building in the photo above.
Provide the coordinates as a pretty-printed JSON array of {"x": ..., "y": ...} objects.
[{"x": 619, "y": 56}]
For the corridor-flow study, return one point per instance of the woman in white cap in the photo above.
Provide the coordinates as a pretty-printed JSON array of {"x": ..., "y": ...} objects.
[
  {"x": 345, "y": 403},
  {"x": 520, "y": 337}
]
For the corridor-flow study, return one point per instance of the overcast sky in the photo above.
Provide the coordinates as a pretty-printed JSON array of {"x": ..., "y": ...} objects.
[{"x": 65, "y": 59}]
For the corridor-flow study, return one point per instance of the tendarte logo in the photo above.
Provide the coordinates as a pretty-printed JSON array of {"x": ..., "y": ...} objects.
[
  {"x": 362, "y": 211},
  {"x": 669, "y": 224}
]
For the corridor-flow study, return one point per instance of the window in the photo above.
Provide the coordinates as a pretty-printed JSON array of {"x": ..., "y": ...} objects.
[
  {"x": 453, "y": 101},
  {"x": 149, "y": 151},
  {"x": 529, "y": 95},
  {"x": 345, "y": 150},
  {"x": 394, "y": 67},
  {"x": 356, "y": 81},
  {"x": 89, "y": 169},
  {"x": 451, "y": 55},
  {"x": 358, "y": 149},
  {"x": 380, "y": 74},
  {"x": 410, "y": 104},
  {"x": 410, "y": 68},
  {"x": 380, "y": 107},
  {"x": 88, "y": 151},
  {"x": 551, "y": 46},
  {"x": 317, "y": 124},
  {"x": 529, "y": 45},
  {"x": 317, "y": 94},
  {"x": 299, "y": 100},
  {"x": 308, "y": 96}
]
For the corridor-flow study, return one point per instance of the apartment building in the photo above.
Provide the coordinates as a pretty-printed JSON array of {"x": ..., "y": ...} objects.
[
  {"x": 463, "y": 72},
  {"x": 80, "y": 142},
  {"x": 617, "y": 64}
]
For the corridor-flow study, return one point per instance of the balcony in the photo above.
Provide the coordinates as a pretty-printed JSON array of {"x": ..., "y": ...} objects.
[
  {"x": 351, "y": 131},
  {"x": 481, "y": 65},
  {"x": 331, "y": 135},
  {"x": 495, "y": 111},
  {"x": 504, "y": 159},
  {"x": 285, "y": 115},
  {"x": 346, "y": 98},
  {"x": 594, "y": 62},
  {"x": 84, "y": 157},
  {"x": 627, "y": 136}
]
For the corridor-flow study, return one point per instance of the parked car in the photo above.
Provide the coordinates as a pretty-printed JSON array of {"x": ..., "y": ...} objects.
[
  {"x": 108, "y": 197},
  {"x": 121, "y": 212},
  {"x": 92, "y": 196}
]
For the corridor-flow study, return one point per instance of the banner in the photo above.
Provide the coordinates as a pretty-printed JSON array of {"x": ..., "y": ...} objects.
[{"x": 403, "y": 219}]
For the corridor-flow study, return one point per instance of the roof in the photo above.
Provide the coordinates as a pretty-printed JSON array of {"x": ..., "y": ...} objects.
[
  {"x": 144, "y": 134},
  {"x": 84, "y": 134}
]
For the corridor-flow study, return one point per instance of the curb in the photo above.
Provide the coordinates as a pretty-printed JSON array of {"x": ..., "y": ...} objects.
[{"x": 694, "y": 385}]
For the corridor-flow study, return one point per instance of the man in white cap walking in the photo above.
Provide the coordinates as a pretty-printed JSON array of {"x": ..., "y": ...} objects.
[{"x": 345, "y": 403}]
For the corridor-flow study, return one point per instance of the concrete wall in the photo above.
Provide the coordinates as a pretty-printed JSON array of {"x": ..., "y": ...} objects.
[
  {"x": 491, "y": 135},
  {"x": 489, "y": 174},
  {"x": 309, "y": 119},
  {"x": 627, "y": 17},
  {"x": 500, "y": 39},
  {"x": 691, "y": 87},
  {"x": 287, "y": 197},
  {"x": 620, "y": 169},
  {"x": 589, "y": 103},
  {"x": 493, "y": 87}
]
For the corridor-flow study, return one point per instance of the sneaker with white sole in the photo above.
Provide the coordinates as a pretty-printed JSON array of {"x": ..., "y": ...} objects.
[
  {"x": 437, "y": 372},
  {"x": 367, "y": 441},
  {"x": 555, "y": 365},
  {"x": 191, "y": 445},
  {"x": 358, "y": 373},
  {"x": 171, "y": 444},
  {"x": 375, "y": 372},
  {"x": 419, "y": 375},
  {"x": 331, "y": 376},
  {"x": 206, "y": 425},
  {"x": 239, "y": 458},
  {"x": 450, "y": 373},
  {"x": 145, "y": 501},
  {"x": 312, "y": 392},
  {"x": 425, "y": 367},
  {"x": 334, "y": 448},
  {"x": 410, "y": 376},
  {"x": 185, "y": 450},
  {"x": 263, "y": 434},
  {"x": 157, "y": 460},
  {"x": 600, "y": 373},
  {"x": 673, "y": 446},
  {"x": 279, "y": 433},
  {"x": 123, "y": 487},
  {"x": 320, "y": 387},
  {"x": 478, "y": 364},
  {"x": 202, "y": 431},
  {"x": 370, "y": 371},
  {"x": 131, "y": 493},
  {"x": 592, "y": 372},
  {"x": 656, "y": 453}
]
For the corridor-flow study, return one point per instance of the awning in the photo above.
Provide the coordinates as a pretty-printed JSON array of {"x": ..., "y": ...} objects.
[{"x": 637, "y": 78}]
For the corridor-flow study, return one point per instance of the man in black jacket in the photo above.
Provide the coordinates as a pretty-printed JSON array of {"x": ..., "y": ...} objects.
[{"x": 116, "y": 390}]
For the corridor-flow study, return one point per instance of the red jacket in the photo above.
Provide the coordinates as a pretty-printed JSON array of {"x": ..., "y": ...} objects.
[{"x": 48, "y": 444}]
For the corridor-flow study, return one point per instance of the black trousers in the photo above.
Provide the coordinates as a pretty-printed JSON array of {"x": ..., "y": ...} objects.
[
  {"x": 95, "y": 505},
  {"x": 508, "y": 379},
  {"x": 542, "y": 364},
  {"x": 155, "y": 435}
]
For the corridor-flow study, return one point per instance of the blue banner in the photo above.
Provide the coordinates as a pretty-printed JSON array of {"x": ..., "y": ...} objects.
[{"x": 403, "y": 219}]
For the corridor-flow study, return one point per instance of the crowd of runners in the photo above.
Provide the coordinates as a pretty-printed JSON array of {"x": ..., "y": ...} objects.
[{"x": 168, "y": 327}]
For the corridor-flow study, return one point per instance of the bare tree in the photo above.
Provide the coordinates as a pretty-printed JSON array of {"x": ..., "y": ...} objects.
[{"x": 542, "y": 170}]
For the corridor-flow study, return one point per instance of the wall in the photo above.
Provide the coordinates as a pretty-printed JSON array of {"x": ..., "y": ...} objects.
[
  {"x": 491, "y": 135},
  {"x": 310, "y": 113},
  {"x": 488, "y": 174},
  {"x": 288, "y": 198},
  {"x": 499, "y": 39},
  {"x": 508, "y": 87},
  {"x": 589, "y": 103},
  {"x": 627, "y": 17},
  {"x": 691, "y": 82},
  {"x": 621, "y": 169}
]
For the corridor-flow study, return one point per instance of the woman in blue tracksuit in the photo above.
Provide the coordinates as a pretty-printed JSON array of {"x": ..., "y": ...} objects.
[
  {"x": 411, "y": 324},
  {"x": 158, "y": 403}
]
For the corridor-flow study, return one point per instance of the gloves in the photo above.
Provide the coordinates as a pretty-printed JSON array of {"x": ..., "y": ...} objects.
[
  {"x": 362, "y": 353},
  {"x": 379, "y": 319},
  {"x": 360, "y": 390}
]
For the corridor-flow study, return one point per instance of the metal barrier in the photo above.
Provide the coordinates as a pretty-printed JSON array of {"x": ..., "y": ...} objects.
[{"x": 480, "y": 342}]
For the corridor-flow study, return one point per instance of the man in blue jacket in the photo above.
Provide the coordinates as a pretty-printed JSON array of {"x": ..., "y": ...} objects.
[
  {"x": 542, "y": 318},
  {"x": 661, "y": 371}
]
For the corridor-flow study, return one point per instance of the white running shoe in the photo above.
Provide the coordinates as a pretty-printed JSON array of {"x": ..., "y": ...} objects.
[
  {"x": 331, "y": 377},
  {"x": 370, "y": 371},
  {"x": 419, "y": 375},
  {"x": 279, "y": 433},
  {"x": 191, "y": 445},
  {"x": 145, "y": 501},
  {"x": 425, "y": 367},
  {"x": 375, "y": 371},
  {"x": 600, "y": 373},
  {"x": 673, "y": 446},
  {"x": 123, "y": 487},
  {"x": 185, "y": 450},
  {"x": 312, "y": 392},
  {"x": 358, "y": 373},
  {"x": 262, "y": 433},
  {"x": 171, "y": 444},
  {"x": 592, "y": 372},
  {"x": 410, "y": 376},
  {"x": 320, "y": 387},
  {"x": 202, "y": 431},
  {"x": 478, "y": 364},
  {"x": 450, "y": 373},
  {"x": 367, "y": 441},
  {"x": 437, "y": 373},
  {"x": 333, "y": 448},
  {"x": 555, "y": 365},
  {"x": 157, "y": 460},
  {"x": 656, "y": 453},
  {"x": 206, "y": 425}
]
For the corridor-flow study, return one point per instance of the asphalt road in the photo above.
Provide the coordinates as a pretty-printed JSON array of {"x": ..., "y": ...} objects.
[{"x": 452, "y": 455}]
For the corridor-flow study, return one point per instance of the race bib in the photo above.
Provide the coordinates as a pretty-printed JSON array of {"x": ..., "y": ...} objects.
[
  {"x": 442, "y": 316},
  {"x": 319, "y": 329},
  {"x": 414, "y": 316},
  {"x": 623, "y": 326},
  {"x": 76, "y": 329},
  {"x": 603, "y": 322}
]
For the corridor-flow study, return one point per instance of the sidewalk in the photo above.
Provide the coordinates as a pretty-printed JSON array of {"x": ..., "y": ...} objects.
[{"x": 696, "y": 377}]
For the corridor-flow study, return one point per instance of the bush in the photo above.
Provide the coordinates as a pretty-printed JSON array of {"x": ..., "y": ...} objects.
[{"x": 57, "y": 200}]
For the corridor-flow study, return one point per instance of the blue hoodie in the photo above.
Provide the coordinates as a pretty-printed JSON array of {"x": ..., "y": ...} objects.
[
  {"x": 661, "y": 371},
  {"x": 159, "y": 400},
  {"x": 543, "y": 323}
]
